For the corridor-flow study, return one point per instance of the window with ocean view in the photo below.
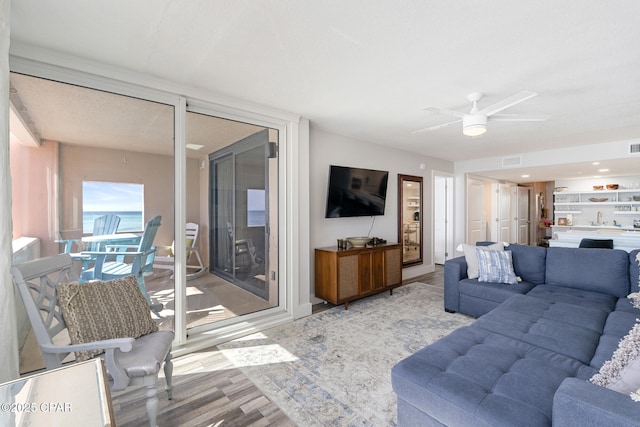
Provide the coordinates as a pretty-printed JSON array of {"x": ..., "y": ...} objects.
[
  {"x": 256, "y": 208},
  {"x": 122, "y": 199}
]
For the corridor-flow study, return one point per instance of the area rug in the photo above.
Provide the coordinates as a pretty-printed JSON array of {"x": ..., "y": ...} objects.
[{"x": 334, "y": 368}]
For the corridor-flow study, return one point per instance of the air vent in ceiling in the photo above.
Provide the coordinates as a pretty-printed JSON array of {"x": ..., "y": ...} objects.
[
  {"x": 634, "y": 148},
  {"x": 509, "y": 162}
]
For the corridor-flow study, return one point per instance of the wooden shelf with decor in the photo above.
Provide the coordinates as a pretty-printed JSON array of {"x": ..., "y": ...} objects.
[{"x": 344, "y": 275}]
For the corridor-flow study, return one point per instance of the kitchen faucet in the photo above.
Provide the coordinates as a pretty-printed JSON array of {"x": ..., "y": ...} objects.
[{"x": 598, "y": 218}]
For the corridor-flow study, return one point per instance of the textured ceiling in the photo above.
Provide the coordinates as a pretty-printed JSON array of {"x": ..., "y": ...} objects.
[
  {"x": 365, "y": 69},
  {"x": 76, "y": 115}
]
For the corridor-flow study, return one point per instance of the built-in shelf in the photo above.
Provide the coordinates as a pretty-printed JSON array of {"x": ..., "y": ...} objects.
[
  {"x": 569, "y": 203},
  {"x": 582, "y": 197},
  {"x": 596, "y": 203}
]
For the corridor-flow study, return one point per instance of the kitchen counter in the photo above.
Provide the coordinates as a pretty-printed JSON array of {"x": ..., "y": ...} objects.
[{"x": 626, "y": 239}]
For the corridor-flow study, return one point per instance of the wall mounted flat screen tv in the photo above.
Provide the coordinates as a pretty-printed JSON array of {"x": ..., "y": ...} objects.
[{"x": 356, "y": 192}]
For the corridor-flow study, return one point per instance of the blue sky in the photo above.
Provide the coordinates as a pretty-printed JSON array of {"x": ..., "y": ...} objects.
[
  {"x": 111, "y": 196},
  {"x": 255, "y": 200}
]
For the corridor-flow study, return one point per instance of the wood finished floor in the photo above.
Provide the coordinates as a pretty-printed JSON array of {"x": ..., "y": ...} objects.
[{"x": 209, "y": 391}]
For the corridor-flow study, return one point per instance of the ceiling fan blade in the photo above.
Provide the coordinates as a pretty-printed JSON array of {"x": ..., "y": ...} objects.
[
  {"x": 429, "y": 129},
  {"x": 507, "y": 102},
  {"x": 444, "y": 111},
  {"x": 519, "y": 117}
]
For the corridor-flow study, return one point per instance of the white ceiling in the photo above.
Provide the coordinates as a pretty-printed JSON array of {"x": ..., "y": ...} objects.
[{"x": 366, "y": 68}]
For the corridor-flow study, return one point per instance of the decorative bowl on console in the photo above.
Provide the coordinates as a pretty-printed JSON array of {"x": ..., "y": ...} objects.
[
  {"x": 358, "y": 242},
  {"x": 598, "y": 187},
  {"x": 612, "y": 186}
]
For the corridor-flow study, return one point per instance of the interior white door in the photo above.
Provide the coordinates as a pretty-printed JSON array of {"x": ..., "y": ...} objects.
[
  {"x": 476, "y": 225},
  {"x": 502, "y": 213},
  {"x": 523, "y": 212},
  {"x": 442, "y": 219}
]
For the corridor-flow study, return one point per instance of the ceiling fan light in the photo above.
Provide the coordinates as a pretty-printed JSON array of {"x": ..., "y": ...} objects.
[
  {"x": 474, "y": 130},
  {"x": 474, "y": 124}
]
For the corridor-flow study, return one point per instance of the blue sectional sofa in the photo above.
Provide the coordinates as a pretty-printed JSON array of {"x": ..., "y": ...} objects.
[{"x": 528, "y": 358}]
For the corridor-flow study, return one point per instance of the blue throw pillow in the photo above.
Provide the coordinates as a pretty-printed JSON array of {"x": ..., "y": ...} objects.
[{"x": 496, "y": 267}]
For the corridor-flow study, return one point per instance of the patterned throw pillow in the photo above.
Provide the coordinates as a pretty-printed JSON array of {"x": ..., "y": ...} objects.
[
  {"x": 622, "y": 372},
  {"x": 496, "y": 267},
  {"x": 98, "y": 311},
  {"x": 472, "y": 259}
]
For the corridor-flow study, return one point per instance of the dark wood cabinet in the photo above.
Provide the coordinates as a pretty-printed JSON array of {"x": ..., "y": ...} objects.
[{"x": 343, "y": 275}]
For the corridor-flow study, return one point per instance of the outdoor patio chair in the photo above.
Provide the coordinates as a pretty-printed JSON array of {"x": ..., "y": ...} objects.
[
  {"x": 167, "y": 260},
  {"x": 596, "y": 243},
  {"x": 102, "y": 225},
  {"x": 118, "y": 261},
  {"x": 129, "y": 360}
]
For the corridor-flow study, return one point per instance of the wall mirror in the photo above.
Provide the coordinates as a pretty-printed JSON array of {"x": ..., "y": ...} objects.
[{"x": 410, "y": 218}]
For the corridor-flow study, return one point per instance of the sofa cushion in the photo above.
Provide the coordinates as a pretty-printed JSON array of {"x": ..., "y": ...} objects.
[
  {"x": 529, "y": 262},
  {"x": 574, "y": 296},
  {"x": 625, "y": 304},
  {"x": 618, "y": 324},
  {"x": 622, "y": 372},
  {"x": 634, "y": 270},
  {"x": 598, "y": 270},
  {"x": 495, "y": 267},
  {"x": 475, "y": 377},
  {"x": 567, "y": 329},
  {"x": 472, "y": 259},
  {"x": 495, "y": 292}
]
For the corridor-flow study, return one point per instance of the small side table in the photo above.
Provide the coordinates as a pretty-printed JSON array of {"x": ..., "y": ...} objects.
[{"x": 74, "y": 395}]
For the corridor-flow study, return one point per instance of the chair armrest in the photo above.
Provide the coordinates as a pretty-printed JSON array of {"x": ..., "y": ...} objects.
[
  {"x": 111, "y": 254},
  {"x": 116, "y": 246},
  {"x": 68, "y": 243},
  {"x": 122, "y": 344},
  {"x": 579, "y": 403}
]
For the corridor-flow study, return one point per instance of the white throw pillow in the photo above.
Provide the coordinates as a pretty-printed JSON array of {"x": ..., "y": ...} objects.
[
  {"x": 622, "y": 372},
  {"x": 472, "y": 259}
]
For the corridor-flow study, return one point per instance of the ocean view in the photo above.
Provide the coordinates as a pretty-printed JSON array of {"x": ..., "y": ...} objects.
[{"x": 129, "y": 221}]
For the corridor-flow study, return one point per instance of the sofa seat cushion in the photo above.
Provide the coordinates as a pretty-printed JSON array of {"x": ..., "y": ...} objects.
[
  {"x": 476, "y": 377},
  {"x": 618, "y": 324},
  {"x": 566, "y": 329},
  {"x": 575, "y": 296},
  {"x": 477, "y": 298},
  {"x": 496, "y": 292}
]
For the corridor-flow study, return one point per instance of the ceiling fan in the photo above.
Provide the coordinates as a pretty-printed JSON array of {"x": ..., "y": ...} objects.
[{"x": 475, "y": 123}]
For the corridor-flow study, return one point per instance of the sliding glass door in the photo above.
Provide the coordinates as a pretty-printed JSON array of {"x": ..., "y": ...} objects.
[
  {"x": 240, "y": 213},
  {"x": 216, "y": 189},
  {"x": 232, "y": 181},
  {"x": 222, "y": 207}
]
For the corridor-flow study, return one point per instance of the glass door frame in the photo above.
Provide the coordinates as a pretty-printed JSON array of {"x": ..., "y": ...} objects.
[
  {"x": 285, "y": 292},
  {"x": 257, "y": 141},
  {"x": 293, "y": 143}
]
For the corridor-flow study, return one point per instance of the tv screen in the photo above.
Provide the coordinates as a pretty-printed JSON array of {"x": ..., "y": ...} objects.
[{"x": 356, "y": 192}]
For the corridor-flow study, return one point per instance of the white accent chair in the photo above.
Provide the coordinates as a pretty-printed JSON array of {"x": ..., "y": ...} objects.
[{"x": 128, "y": 361}]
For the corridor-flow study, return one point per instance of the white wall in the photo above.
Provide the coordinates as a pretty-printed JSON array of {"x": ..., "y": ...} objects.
[{"x": 330, "y": 149}]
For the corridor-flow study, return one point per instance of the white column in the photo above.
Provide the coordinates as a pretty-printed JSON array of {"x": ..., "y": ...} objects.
[{"x": 8, "y": 332}]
